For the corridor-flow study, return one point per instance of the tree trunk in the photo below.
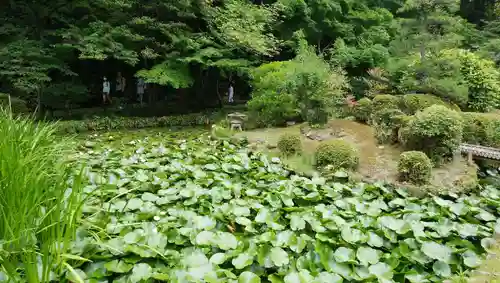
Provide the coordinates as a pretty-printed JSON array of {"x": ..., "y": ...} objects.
[{"x": 218, "y": 95}]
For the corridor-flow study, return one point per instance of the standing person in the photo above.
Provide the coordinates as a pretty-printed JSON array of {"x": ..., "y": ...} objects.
[
  {"x": 120, "y": 84},
  {"x": 106, "y": 88},
  {"x": 230, "y": 93},
  {"x": 141, "y": 86}
]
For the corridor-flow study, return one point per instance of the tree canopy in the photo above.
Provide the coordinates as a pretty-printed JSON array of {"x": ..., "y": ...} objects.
[{"x": 198, "y": 45}]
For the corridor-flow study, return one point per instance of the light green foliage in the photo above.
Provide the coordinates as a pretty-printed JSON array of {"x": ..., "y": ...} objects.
[
  {"x": 240, "y": 24},
  {"x": 306, "y": 86},
  {"x": 411, "y": 103},
  {"x": 269, "y": 103},
  {"x": 290, "y": 144},
  {"x": 481, "y": 77},
  {"x": 436, "y": 75},
  {"x": 437, "y": 131},
  {"x": 363, "y": 110},
  {"x": 338, "y": 154},
  {"x": 39, "y": 202},
  {"x": 481, "y": 128},
  {"x": 186, "y": 209},
  {"x": 414, "y": 167},
  {"x": 167, "y": 73},
  {"x": 455, "y": 75}
]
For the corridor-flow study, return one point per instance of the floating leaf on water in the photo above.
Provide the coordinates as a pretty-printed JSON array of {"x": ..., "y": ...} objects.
[
  {"x": 248, "y": 277},
  {"x": 471, "y": 259},
  {"x": 441, "y": 269},
  {"x": 242, "y": 260},
  {"x": 118, "y": 266},
  {"x": 437, "y": 251},
  {"x": 205, "y": 238},
  {"x": 226, "y": 241},
  {"x": 140, "y": 272},
  {"x": 279, "y": 256},
  {"x": 325, "y": 277},
  {"x": 416, "y": 277},
  {"x": 352, "y": 235},
  {"x": 381, "y": 270},
  {"x": 343, "y": 254},
  {"x": 375, "y": 240},
  {"x": 218, "y": 258},
  {"x": 367, "y": 256}
]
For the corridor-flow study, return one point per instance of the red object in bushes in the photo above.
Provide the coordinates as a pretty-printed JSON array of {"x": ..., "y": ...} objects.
[{"x": 351, "y": 101}]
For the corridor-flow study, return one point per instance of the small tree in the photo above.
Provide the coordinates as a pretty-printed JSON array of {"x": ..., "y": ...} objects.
[{"x": 306, "y": 85}]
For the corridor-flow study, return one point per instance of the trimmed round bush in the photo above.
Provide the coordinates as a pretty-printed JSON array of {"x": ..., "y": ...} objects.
[
  {"x": 289, "y": 144},
  {"x": 437, "y": 131},
  {"x": 362, "y": 110},
  {"x": 338, "y": 154},
  {"x": 481, "y": 128},
  {"x": 412, "y": 103},
  {"x": 414, "y": 167},
  {"x": 385, "y": 101}
]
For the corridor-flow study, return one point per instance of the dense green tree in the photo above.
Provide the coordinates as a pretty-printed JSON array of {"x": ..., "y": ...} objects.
[{"x": 54, "y": 52}]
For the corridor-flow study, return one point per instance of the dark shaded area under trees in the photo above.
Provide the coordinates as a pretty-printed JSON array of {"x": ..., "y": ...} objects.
[{"x": 55, "y": 53}]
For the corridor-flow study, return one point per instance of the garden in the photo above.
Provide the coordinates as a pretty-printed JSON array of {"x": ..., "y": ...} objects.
[{"x": 183, "y": 206}]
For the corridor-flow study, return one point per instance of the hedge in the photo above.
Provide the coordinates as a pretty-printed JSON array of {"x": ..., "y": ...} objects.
[
  {"x": 385, "y": 101},
  {"x": 481, "y": 128},
  {"x": 116, "y": 123},
  {"x": 412, "y": 103}
]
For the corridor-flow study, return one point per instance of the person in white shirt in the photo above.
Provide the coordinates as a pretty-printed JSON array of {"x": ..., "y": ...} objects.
[
  {"x": 106, "y": 88},
  {"x": 120, "y": 84},
  {"x": 230, "y": 93},
  {"x": 141, "y": 86}
]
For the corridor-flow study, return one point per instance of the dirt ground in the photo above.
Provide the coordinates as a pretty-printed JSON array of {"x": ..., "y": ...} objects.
[{"x": 377, "y": 162}]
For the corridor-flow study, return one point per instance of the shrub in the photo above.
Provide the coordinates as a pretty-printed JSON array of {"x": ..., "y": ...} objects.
[
  {"x": 306, "y": 86},
  {"x": 384, "y": 101},
  {"x": 17, "y": 105},
  {"x": 387, "y": 123},
  {"x": 290, "y": 144},
  {"x": 362, "y": 110},
  {"x": 414, "y": 167},
  {"x": 390, "y": 117},
  {"x": 338, "y": 154},
  {"x": 481, "y": 128},
  {"x": 411, "y": 103},
  {"x": 437, "y": 131}
]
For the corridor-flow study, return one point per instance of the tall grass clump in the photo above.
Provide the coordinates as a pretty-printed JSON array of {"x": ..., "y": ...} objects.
[{"x": 39, "y": 200}]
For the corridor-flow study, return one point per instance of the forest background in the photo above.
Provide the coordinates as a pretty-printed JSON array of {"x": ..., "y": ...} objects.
[{"x": 54, "y": 54}]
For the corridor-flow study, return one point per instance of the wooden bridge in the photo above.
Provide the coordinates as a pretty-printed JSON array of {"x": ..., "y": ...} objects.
[{"x": 479, "y": 151}]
